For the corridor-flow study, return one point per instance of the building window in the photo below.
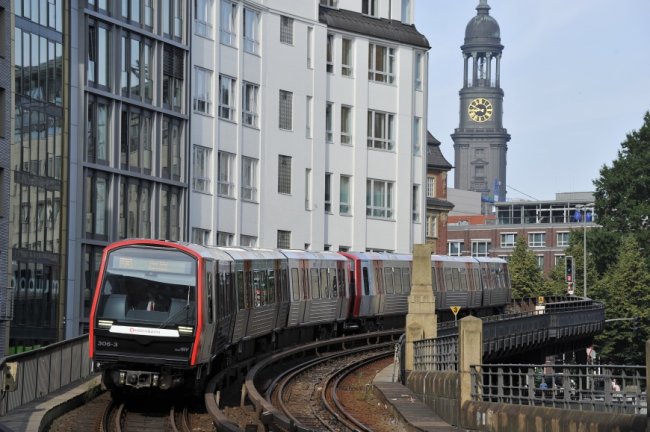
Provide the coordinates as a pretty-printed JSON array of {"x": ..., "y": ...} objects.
[
  {"x": 227, "y": 97},
  {"x": 136, "y": 139},
  {"x": 480, "y": 248},
  {"x": 202, "y": 100},
  {"x": 224, "y": 238},
  {"x": 134, "y": 208},
  {"x": 379, "y": 199},
  {"x": 345, "y": 196},
  {"x": 172, "y": 18},
  {"x": 563, "y": 239},
  {"x": 200, "y": 236},
  {"x": 346, "y": 124},
  {"x": 330, "y": 53},
  {"x": 203, "y": 18},
  {"x": 308, "y": 116},
  {"x": 173, "y": 74},
  {"x": 284, "y": 239},
  {"x": 201, "y": 169},
  {"x": 284, "y": 174},
  {"x": 97, "y": 133},
  {"x": 346, "y": 57},
  {"x": 247, "y": 241},
  {"x": 540, "y": 261},
  {"x": 381, "y": 64},
  {"x": 328, "y": 192},
  {"x": 226, "y": 183},
  {"x": 249, "y": 179},
  {"x": 310, "y": 47},
  {"x": 536, "y": 239},
  {"x": 286, "y": 110},
  {"x": 137, "y": 67},
  {"x": 251, "y": 31},
  {"x": 559, "y": 260},
  {"x": 416, "y": 203},
  {"x": 417, "y": 135},
  {"x": 369, "y": 7},
  {"x": 172, "y": 151},
  {"x": 328, "y": 122},
  {"x": 96, "y": 204},
  {"x": 455, "y": 247},
  {"x": 431, "y": 228},
  {"x": 431, "y": 187},
  {"x": 170, "y": 212},
  {"x": 380, "y": 130},
  {"x": 286, "y": 30},
  {"x": 228, "y": 23},
  {"x": 418, "y": 70},
  {"x": 97, "y": 69},
  {"x": 249, "y": 104},
  {"x": 508, "y": 240}
]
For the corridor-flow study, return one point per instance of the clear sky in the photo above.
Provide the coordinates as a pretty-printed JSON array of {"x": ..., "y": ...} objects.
[{"x": 576, "y": 78}]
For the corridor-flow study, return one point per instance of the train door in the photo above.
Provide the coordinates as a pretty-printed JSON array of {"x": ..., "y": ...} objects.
[{"x": 208, "y": 297}]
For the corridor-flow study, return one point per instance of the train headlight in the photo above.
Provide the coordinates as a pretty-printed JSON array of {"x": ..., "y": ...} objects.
[
  {"x": 122, "y": 377},
  {"x": 154, "y": 380},
  {"x": 104, "y": 323},
  {"x": 185, "y": 330}
]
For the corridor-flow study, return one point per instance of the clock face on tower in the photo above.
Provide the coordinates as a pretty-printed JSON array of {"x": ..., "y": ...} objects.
[{"x": 480, "y": 110}]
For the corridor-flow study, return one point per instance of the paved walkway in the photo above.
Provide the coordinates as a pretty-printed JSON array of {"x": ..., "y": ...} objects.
[{"x": 412, "y": 410}]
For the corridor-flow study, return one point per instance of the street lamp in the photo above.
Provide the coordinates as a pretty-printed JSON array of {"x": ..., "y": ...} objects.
[{"x": 584, "y": 208}]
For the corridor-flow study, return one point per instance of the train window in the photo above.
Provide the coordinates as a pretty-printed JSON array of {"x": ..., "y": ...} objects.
[
  {"x": 379, "y": 280},
  {"x": 449, "y": 279},
  {"x": 272, "y": 290},
  {"x": 366, "y": 281},
  {"x": 255, "y": 286},
  {"x": 388, "y": 280},
  {"x": 284, "y": 284},
  {"x": 314, "y": 284},
  {"x": 463, "y": 278},
  {"x": 295, "y": 284},
  {"x": 406, "y": 280},
  {"x": 241, "y": 292},
  {"x": 209, "y": 288},
  {"x": 434, "y": 279},
  {"x": 352, "y": 285},
  {"x": 331, "y": 277},
  {"x": 248, "y": 290},
  {"x": 324, "y": 283}
]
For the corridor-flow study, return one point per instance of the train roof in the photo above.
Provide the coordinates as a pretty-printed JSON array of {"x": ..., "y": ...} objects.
[
  {"x": 491, "y": 259},
  {"x": 321, "y": 255},
  {"x": 379, "y": 256},
  {"x": 244, "y": 253},
  {"x": 452, "y": 258}
]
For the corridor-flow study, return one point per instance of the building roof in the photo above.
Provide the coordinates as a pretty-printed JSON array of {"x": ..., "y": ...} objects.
[
  {"x": 439, "y": 203},
  {"x": 356, "y": 22},
  {"x": 483, "y": 28},
  {"x": 435, "y": 159}
]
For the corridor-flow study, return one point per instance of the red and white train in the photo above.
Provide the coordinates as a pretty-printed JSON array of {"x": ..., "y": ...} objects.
[{"x": 168, "y": 314}]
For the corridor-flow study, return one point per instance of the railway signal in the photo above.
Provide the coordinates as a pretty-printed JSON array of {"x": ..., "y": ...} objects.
[{"x": 568, "y": 272}]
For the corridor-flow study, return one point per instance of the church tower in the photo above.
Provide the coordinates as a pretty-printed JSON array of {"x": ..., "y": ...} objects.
[{"x": 480, "y": 142}]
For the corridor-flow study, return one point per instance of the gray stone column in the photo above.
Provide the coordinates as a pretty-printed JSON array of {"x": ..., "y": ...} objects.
[{"x": 470, "y": 352}]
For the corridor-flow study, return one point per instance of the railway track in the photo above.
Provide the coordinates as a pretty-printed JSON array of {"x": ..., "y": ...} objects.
[
  {"x": 306, "y": 394},
  {"x": 120, "y": 417}
]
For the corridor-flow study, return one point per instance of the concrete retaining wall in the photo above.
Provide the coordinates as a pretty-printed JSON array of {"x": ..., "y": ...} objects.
[{"x": 439, "y": 390}]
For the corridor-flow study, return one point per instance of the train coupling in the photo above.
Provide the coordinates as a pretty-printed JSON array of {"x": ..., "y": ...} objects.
[{"x": 145, "y": 379}]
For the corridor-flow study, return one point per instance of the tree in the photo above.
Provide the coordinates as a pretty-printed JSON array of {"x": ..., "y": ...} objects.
[
  {"x": 555, "y": 284},
  {"x": 623, "y": 190},
  {"x": 526, "y": 277},
  {"x": 624, "y": 291}
]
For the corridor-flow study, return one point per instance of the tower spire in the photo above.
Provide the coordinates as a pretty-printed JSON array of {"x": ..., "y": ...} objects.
[{"x": 483, "y": 7}]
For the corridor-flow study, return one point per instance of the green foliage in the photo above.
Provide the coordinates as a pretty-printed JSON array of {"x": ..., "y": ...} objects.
[
  {"x": 555, "y": 284},
  {"x": 527, "y": 279},
  {"x": 624, "y": 291}
]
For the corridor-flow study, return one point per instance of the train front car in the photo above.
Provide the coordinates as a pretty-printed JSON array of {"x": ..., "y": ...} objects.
[{"x": 145, "y": 319}]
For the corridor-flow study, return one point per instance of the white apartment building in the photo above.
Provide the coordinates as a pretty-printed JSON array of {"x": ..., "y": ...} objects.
[{"x": 307, "y": 124}]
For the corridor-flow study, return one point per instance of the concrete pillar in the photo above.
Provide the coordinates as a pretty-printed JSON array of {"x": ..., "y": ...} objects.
[
  {"x": 470, "y": 352},
  {"x": 421, "y": 320}
]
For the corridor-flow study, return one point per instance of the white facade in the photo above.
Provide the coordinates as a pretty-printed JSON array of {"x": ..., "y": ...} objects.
[{"x": 249, "y": 59}]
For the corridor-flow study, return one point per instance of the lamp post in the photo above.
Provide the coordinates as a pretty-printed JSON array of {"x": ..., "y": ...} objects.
[{"x": 584, "y": 208}]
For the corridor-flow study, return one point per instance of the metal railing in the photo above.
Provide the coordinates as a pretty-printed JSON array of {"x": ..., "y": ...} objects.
[
  {"x": 439, "y": 354},
  {"x": 31, "y": 375},
  {"x": 604, "y": 388}
]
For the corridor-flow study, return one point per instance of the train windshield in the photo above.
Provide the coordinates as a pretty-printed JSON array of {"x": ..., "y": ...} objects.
[{"x": 149, "y": 286}]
